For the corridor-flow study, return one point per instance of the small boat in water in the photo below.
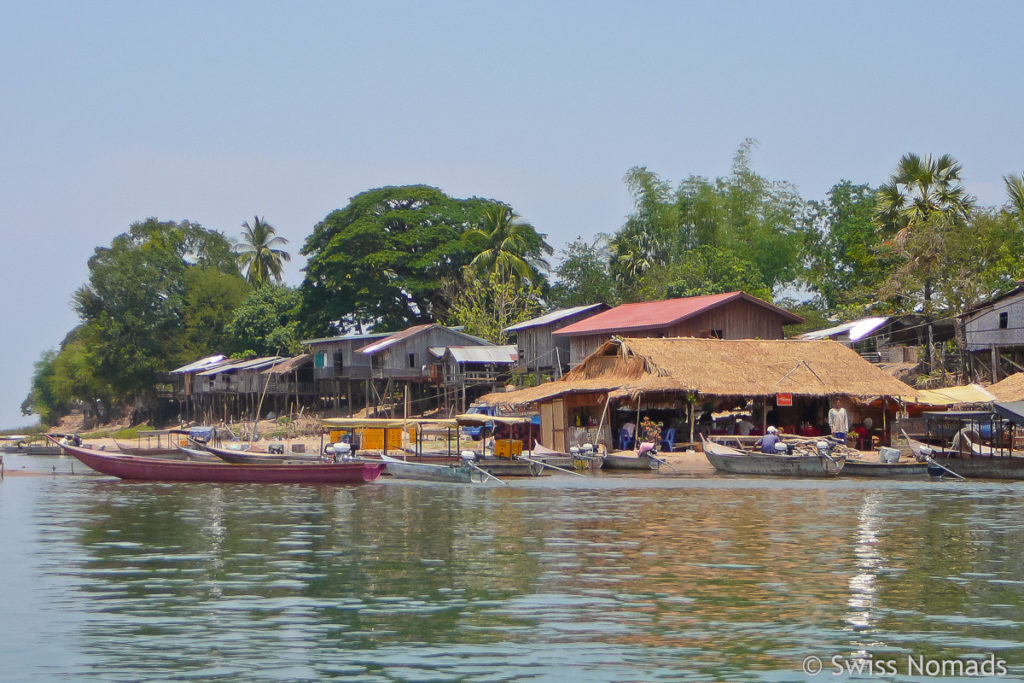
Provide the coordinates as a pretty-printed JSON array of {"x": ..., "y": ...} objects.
[
  {"x": 617, "y": 461},
  {"x": 736, "y": 461},
  {"x": 139, "y": 468},
  {"x": 240, "y": 457},
  {"x": 872, "y": 468},
  {"x": 424, "y": 471}
]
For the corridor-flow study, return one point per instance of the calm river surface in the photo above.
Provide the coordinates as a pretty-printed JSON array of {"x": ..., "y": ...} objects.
[{"x": 608, "y": 578}]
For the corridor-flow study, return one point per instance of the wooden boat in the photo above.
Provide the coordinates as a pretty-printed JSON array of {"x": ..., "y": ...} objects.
[
  {"x": 615, "y": 461},
  {"x": 506, "y": 467},
  {"x": 15, "y": 443},
  {"x": 199, "y": 455},
  {"x": 140, "y": 468},
  {"x": 977, "y": 466},
  {"x": 869, "y": 468},
  {"x": 403, "y": 469},
  {"x": 147, "y": 451},
  {"x": 736, "y": 461},
  {"x": 259, "y": 457}
]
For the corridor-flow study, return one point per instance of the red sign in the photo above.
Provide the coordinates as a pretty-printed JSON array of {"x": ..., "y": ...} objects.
[{"x": 783, "y": 399}]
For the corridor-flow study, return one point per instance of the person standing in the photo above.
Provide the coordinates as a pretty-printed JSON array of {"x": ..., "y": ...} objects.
[{"x": 838, "y": 421}]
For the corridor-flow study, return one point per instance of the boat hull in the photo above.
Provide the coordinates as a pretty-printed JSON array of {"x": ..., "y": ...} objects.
[
  {"x": 137, "y": 468},
  {"x": 980, "y": 467},
  {"x": 401, "y": 469},
  {"x": 254, "y": 458},
  {"x": 735, "y": 461},
  {"x": 629, "y": 462},
  {"x": 863, "y": 468}
]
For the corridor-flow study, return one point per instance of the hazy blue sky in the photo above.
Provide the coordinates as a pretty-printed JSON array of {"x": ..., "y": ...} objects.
[{"x": 112, "y": 112}]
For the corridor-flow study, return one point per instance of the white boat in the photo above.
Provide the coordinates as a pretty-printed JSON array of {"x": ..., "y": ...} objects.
[{"x": 425, "y": 471}]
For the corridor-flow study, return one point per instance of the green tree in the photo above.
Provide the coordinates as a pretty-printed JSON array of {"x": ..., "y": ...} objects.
[
  {"x": 583, "y": 275},
  {"x": 208, "y": 306},
  {"x": 487, "y": 304},
  {"x": 744, "y": 214},
  {"x": 257, "y": 251},
  {"x": 919, "y": 187},
  {"x": 383, "y": 259},
  {"x": 134, "y": 305},
  {"x": 1015, "y": 194},
  {"x": 920, "y": 208},
  {"x": 709, "y": 270},
  {"x": 506, "y": 244},
  {"x": 265, "y": 323},
  {"x": 842, "y": 248}
]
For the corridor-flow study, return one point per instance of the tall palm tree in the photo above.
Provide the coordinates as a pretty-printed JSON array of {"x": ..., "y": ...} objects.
[
  {"x": 1015, "y": 193},
  {"x": 257, "y": 252},
  {"x": 508, "y": 245},
  {"x": 919, "y": 188}
]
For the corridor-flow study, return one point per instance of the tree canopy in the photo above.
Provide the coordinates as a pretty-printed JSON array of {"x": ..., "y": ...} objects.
[{"x": 383, "y": 259}]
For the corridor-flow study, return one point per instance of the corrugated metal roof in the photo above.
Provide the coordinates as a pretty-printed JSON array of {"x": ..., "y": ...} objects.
[
  {"x": 288, "y": 364},
  {"x": 855, "y": 329},
  {"x": 198, "y": 365},
  {"x": 658, "y": 314},
  {"x": 249, "y": 364},
  {"x": 346, "y": 337},
  {"x": 394, "y": 338},
  {"x": 506, "y": 355},
  {"x": 551, "y": 317}
]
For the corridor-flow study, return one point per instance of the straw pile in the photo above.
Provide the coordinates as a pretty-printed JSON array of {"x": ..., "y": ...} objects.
[{"x": 1009, "y": 389}]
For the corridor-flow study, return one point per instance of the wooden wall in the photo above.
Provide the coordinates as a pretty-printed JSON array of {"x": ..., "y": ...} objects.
[
  {"x": 733, "y": 320},
  {"x": 983, "y": 331}
]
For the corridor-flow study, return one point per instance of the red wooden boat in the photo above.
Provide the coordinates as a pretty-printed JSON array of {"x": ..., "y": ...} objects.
[{"x": 157, "y": 469}]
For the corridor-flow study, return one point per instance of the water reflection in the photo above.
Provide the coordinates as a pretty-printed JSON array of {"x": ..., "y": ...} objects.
[{"x": 653, "y": 579}]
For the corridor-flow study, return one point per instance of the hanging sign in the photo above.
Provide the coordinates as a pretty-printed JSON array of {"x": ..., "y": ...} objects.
[{"x": 783, "y": 400}]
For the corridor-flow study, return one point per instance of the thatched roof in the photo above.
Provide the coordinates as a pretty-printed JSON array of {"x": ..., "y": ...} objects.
[
  {"x": 1009, "y": 389},
  {"x": 716, "y": 367}
]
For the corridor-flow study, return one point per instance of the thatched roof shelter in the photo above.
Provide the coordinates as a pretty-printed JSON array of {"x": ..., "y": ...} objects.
[
  {"x": 1009, "y": 389},
  {"x": 715, "y": 367}
]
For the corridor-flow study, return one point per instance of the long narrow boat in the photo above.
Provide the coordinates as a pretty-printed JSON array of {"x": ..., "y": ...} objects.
[
  {"x": 147, "y": 451},
  {"x": 259, "y": 457},
  {"x": 736, "y": 461},
  {"x": 977, "y": 466},
  {"x": 869, "y": 468},
  {"x": 613, "y": 461},
  {"x": 139, "y": 468},
  {"x": 403, "y": 469}
]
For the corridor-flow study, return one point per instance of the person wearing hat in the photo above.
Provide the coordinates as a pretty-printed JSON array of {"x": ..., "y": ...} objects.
[{"x": 768, "y": 441}]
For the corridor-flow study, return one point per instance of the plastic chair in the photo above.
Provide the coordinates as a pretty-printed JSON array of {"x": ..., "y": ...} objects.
[
  {"x": 670, "y": 437},
  {"x": 625, "y": 439}
]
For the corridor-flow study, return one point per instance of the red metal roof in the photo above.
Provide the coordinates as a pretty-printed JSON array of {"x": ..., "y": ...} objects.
[{"x": 658, "y": 314}]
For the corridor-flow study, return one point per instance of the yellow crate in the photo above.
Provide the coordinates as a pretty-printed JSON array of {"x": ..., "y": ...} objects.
[
  {"x": 336, "y": 435},
  {"x": 508, "y": 448},
  {"x": 373, "y": 439}
]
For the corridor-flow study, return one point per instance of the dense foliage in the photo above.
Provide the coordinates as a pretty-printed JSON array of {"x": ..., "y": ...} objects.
[{"x": 164, "y": 294}]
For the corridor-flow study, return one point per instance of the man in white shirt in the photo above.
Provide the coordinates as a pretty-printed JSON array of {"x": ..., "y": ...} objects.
[{"x": 838, "y": 421}]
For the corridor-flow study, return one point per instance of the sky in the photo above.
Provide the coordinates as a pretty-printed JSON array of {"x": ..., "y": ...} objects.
[{"x": 214, "y": 112}]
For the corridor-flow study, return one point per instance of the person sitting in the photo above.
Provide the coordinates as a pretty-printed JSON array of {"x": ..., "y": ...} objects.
[
  {"x": 768, "y": 441},
  {"x": 744, "y": 426}
]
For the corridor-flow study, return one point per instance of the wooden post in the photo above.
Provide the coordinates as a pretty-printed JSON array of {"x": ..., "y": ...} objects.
[{"x": 995, "y": 364}]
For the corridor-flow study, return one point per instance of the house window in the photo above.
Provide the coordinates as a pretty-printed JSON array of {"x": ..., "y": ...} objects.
[
  {"x": 338, "y": 362},
  {"x": 1004, "y": 320},
  {"x": 412, "y": 360}
]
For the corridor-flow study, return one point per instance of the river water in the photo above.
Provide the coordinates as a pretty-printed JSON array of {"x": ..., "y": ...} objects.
[{"x": 605, "y": 578}]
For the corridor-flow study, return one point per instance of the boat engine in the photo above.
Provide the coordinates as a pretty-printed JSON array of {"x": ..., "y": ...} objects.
[
  {"x": 824, "y": 448},
  {"x": 468, "y": 456},
  {"x": 781, "y": 448},
  {"x": 924, "y": 454}
]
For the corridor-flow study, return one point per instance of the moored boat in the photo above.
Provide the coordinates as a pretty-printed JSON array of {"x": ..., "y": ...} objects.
[
  {"x": 403, "y": 469},
  {"x": 139, "y": 468},
  {"x": 868, "y": 468},
  {"x": 240, "y": 457},
  {"x": 616, "y": 461},
  {"x": 736, "y": 461},
  {"x": 1009, "y": 467}
]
